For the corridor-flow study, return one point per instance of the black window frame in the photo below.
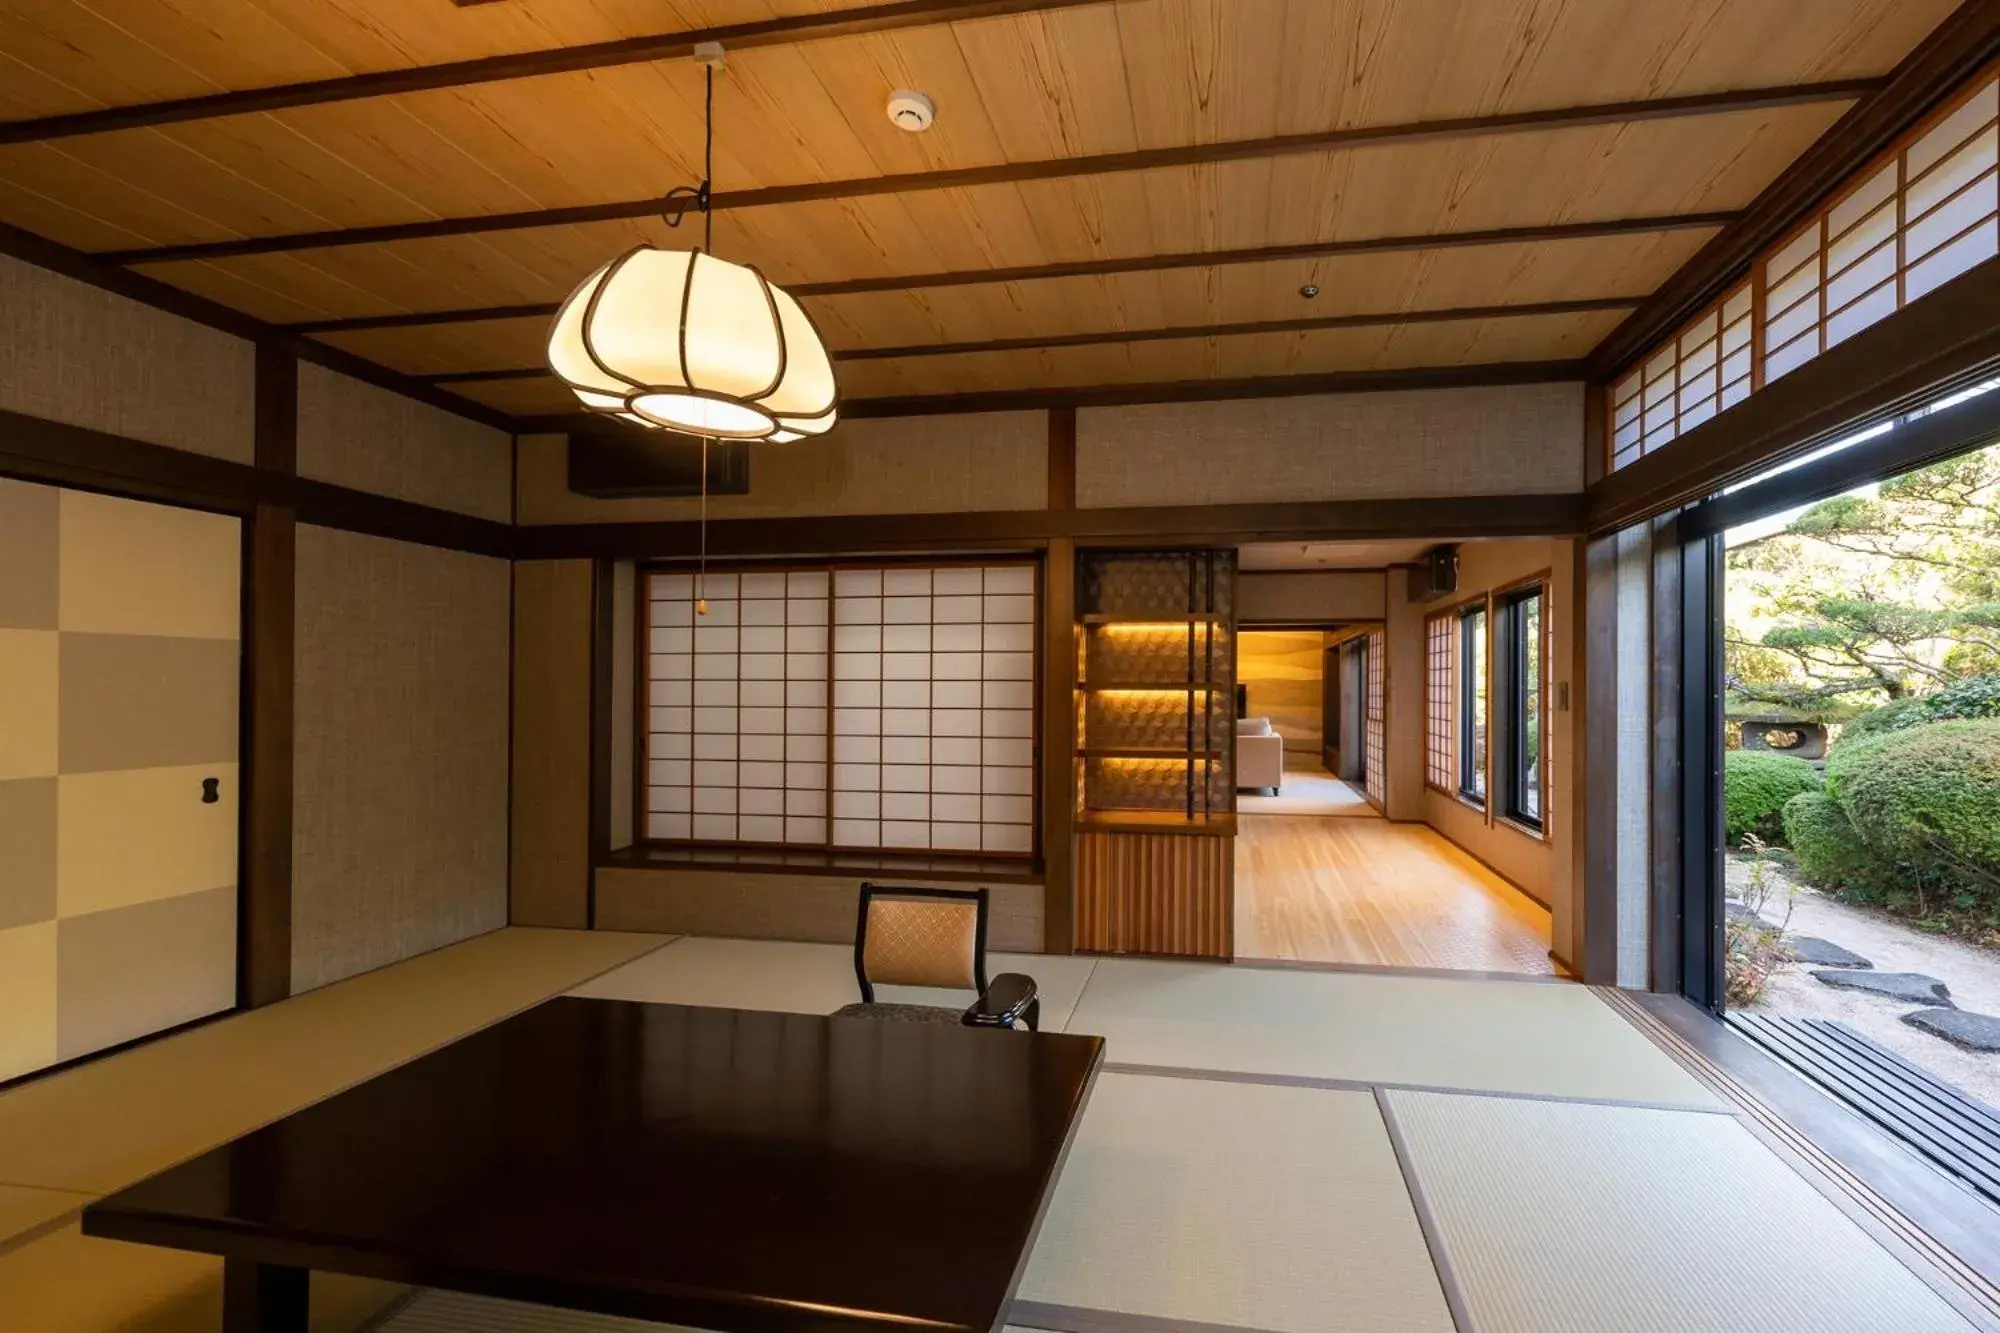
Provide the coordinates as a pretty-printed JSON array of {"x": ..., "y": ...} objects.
[
  {"x": 1474, "y": 761},
  {"x": 1515, "y": 643}
]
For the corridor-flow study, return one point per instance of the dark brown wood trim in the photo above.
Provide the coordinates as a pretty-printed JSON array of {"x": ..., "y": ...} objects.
[
  {"x": 777, "y": 860},
  {"x": 520, "y": 65},
  {"x": 1058, "y": 758},
  {"x": 57, "y": 258},
  {"x": 276, "y": 409},
  {"x": 1062, "y": 458},
  {"x": 1596, "y": 433},
  {"x": 1959, "y": 46},
  {"x": 1107, "y": 337},
  {"x": 1948, "y": 335},
  {"x": 1443, "y": 518},
  {"x": 328, "y": 506},
  {"x": 1562, "y": 231},
  {"x": 1006, "y": 173},
  {"x": 264, "y": 957},
  {"x": 36, "y": 449},
  {"x": 1178, "y": 391}
]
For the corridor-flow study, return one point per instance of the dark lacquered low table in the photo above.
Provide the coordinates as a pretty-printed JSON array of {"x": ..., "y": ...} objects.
[{"x": 731, "y": 1170}]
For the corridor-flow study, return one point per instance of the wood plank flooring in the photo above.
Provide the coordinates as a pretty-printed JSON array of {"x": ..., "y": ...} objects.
[{"x": 1364, "y": 890}]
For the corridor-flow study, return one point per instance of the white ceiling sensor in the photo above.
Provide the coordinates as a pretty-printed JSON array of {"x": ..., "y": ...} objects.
[{"x": 911, "y": 111}]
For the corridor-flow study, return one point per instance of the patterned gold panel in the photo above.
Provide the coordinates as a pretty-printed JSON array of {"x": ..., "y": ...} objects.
[{"x": 915, "y": 942}]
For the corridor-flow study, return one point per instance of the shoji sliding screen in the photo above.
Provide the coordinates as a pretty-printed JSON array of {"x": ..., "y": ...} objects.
[{"x": 844, "y": 707}]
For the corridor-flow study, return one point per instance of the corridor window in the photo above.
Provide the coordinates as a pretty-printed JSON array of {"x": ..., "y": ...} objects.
[
  {"x": 846, "y": 708},
  {"x": 1373, "y": 751},
  {"x": 1472, "y": 704},
  {"x": 1440, "y": 662},
  {"x": 1526, "y": 720}
]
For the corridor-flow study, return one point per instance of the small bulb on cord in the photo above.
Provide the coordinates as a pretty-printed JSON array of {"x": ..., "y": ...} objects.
[{"x": 701, "y": 607}]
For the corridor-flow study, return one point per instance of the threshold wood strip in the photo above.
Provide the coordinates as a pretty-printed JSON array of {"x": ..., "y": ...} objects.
[
  {"x": 1088, "y": 268},
  {"x": 1006, "y": 173},
  {"x": 521, "y": 65}
]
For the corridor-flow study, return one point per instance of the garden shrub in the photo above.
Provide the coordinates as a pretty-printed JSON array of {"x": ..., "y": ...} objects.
[
  {"x": 1830, "y": 851},
  {"x": 1892, "y": 716},
  {"x": 1974, "y": 696},
  {"x": 1929, "y": 795},
  {"x": 1755, "y": 786}
]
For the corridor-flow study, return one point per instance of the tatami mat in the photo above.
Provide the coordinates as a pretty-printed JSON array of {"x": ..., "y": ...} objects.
[
  {"x": 809, "y": 978},
  {"x": 451, "y": 1312},
  {"x": 1567, "y": 1218},
  {"x": 1233, "y": 1203},
  {"x": 1518, "y": 1037},
  {"x": 104, "y": 1125}
]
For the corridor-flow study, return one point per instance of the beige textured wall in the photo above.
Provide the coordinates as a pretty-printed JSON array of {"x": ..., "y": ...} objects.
[
  {"x": 778, "y": 907},
  {"x": 399, "y": 838},
  {"x": 358, "y": 435},
  {"x": 1310, "y": 595},
  {"x": 551, "y": 802},
  {"x": 904, "y": 465},
  {"x": 1281, "y": 675},
  {"x": 72, "y": 353},
  {"x": 1505, "y": 440},
  {"x": 1543, "y": 866}
]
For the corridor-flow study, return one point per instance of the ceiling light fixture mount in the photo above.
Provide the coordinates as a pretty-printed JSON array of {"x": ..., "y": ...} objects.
[{"x": 680, "y": 340}]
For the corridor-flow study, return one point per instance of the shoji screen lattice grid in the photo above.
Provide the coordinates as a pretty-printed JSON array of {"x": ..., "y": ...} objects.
[
  {"x": 851, "y": 708},
  {"x": 1373, "y": 746},
  {"x": 1441, "y": 682}
]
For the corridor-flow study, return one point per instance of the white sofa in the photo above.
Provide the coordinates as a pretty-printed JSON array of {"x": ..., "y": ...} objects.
[{"x": 1260, "y": 754}]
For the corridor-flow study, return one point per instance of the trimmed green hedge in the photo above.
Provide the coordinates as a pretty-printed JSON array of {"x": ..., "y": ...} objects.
[
  {"x": 1831, "y": 852},
  {"x": 1972, "y": 697},
  {"x": 1755, "y": 786},
  {"x": 1929, "y": 795},
  {"x": 1892, "y": 716}
]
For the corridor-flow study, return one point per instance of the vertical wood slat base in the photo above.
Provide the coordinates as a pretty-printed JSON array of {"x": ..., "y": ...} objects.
[{"x": 1155, "y": 893}]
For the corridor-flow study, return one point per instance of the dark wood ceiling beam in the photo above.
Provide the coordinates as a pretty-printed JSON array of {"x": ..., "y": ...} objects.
[
  {"x": 1563, "y": 231},
  {"x": 1236, "y": 150},
  {"x": 1958, "y": 48},
  {"x": 1167, "y": 333},
  {"x": 1177, "y": 391},
  {"x": 521, "y": 65}
]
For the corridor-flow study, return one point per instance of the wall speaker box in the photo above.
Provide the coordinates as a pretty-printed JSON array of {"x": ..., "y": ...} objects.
[
  {"x": 1436, "y": 575},
  {"x": 613, "y": 460}
]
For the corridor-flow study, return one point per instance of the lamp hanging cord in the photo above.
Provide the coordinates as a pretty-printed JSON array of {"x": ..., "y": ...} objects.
[
  {"x": 701, "y": 569},
  {"x": 698, "y": 196}
]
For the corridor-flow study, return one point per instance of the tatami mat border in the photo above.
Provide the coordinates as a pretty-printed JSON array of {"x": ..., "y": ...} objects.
[
  {"x": 1454, "y": 1295},
  {"x": 1363, "y": 1085}
]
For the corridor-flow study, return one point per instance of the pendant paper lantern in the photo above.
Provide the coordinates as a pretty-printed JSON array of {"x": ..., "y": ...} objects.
[{"x": 683, "y": 341}]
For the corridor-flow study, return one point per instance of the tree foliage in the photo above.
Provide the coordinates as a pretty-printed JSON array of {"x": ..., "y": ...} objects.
[{"x": 1869, "y": 598}]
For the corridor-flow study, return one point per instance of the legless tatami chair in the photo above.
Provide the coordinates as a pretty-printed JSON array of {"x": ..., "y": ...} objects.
[{"x": 936, "y": 938}]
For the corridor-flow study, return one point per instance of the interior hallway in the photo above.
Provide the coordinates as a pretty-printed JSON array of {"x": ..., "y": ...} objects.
[{"x": 1351, "y": 887}]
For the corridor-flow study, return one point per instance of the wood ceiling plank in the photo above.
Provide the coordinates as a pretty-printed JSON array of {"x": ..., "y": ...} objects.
[
  {"x": 114, "y": 53},
  {"x": 500, "y": 342},
  {"x": 1101, "y": 78},
  {"x": 1596, "y": 172},
  {"x": 1555, "y": 337}
]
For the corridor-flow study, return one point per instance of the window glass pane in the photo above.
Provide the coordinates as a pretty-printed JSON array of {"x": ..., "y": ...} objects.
[
  {"x": 1529, "y": 728},
  {"x": 1472, "y": 704}
]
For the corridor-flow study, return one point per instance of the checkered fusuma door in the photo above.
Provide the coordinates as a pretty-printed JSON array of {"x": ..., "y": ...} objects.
[{"x": 119, "y": 669}]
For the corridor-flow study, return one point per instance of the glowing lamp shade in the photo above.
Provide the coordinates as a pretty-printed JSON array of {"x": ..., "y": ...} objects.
[{"x": 682, "y": 341}]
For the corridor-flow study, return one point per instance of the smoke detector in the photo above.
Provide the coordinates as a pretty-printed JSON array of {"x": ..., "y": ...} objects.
[{"x": 911, "y": 111}]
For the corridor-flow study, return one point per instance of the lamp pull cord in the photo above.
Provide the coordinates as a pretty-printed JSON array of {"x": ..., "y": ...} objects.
[{"x": 701, "y": 570}]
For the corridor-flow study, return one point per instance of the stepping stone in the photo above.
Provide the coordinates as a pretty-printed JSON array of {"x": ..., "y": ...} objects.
[
  {"x": 1822, "y": 953},
  {"x": 1975, "y": 1032},
  {"x": 1909, "y": 987},
  {"x": 1738, "y": 912}
]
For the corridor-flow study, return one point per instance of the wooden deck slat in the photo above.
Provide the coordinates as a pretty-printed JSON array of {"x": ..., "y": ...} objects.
[{"x": 1932, "y": 1118}]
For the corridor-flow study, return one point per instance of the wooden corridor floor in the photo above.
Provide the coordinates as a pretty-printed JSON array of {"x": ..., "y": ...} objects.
[{"x": 1360, "y": 889}]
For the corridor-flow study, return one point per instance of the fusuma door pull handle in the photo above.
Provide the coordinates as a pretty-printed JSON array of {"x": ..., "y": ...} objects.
[{"x": 210, "y": 790}]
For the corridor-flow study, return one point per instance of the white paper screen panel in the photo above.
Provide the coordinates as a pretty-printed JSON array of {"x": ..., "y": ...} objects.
[
  {"x": 1912, "y": 221},
  {"x": 849, "y": 708}
]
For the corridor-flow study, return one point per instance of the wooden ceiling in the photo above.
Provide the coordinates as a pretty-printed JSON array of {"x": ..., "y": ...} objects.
[{"x": 1116, "y": 192}]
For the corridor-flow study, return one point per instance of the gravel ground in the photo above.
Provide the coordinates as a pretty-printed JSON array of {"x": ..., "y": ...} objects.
[{"x": 1972, "y": 973}]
